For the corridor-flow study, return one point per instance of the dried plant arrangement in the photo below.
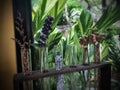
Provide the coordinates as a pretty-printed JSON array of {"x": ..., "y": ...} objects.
[
  {"x": 84, "y": 43},
  {"x": 42, "y": 46},
  {"x": 41, "y": 43},
  {"x": 23, "y": 44},
  {"x": 96, "y": 38},
  {"x": 24, "y": 49}
]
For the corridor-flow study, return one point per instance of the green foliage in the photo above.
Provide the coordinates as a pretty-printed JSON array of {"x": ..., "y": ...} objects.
[
  {"x": 73, "y": 3},
  {"x": 45, "y": 8},
  {"x": 109, "y": 17},
  {"x": 41, "y": 12},
  {"x": 54, "y": 39},
  {"x": 85, "y": 23},
  {"x": 113, "y": 51},
  {"x": 114, "y": 58}
]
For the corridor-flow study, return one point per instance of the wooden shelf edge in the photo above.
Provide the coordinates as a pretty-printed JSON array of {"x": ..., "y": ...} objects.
[{"x": 52, "y": 72}]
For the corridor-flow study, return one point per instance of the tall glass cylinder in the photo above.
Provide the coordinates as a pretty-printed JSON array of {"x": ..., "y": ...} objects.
[{"x": 43, "y": 61}]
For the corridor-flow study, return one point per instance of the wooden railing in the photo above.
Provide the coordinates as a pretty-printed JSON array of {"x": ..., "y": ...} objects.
[{"x": 104, "y": 77}]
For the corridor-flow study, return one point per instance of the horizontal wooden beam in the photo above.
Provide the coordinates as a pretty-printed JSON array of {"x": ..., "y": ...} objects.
[
  {"x": 33, "y": 75},
  {"x": 103, "y": 67}
]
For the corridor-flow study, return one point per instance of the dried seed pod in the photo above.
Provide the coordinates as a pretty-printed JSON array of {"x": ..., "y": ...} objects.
[{"x": 45, "y": 31}]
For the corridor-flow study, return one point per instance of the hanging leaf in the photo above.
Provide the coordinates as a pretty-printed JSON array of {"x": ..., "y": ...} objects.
[
  {"x": 85, "y": 23},
  {"x": 109, "y": 17},
  {"x": 54, "y": 39},
  {"x": 44, "y": 9}
]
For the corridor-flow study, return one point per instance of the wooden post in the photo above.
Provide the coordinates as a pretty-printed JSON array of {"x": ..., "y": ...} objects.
[
  {"x": 16, "y": 84},
  {"x": 105, "y": 77}
]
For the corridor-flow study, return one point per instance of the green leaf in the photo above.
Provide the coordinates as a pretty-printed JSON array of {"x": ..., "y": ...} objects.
[
  {"x": 53, "y": 8},
  {"x": 104, "y": 52},
  {"x": 43, "y": 7},
  {"x": 54, "y": 39},
  {"x": 109, "y": 17},
  {"x": 85, "y": 22}
]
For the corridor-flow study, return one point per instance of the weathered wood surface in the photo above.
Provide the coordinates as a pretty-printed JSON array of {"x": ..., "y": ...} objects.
[
  {"x": 104, "y": 74},
  {"x": 52, "y": 72}
]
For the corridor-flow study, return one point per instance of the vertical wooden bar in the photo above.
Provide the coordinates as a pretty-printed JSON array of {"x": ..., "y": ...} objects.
[
  {"x": 105, "y": 77},
  {"x": 16, "y": 84},
  {"x": 22, "y": 13},
  {"x": 22, "y": 8}
]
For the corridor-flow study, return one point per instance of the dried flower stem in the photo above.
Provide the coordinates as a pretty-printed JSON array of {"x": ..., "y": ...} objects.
[{"x": 24, "y": 50}]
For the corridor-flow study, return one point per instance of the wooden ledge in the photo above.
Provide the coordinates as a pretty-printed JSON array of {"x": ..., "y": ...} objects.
[{"x": 52, "y": 72}]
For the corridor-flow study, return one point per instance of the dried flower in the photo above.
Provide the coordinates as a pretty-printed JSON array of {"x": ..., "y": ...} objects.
[{"x": 45, "y": 31}]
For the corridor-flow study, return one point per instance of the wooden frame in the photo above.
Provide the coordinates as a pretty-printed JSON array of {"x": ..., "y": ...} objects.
[
  {"x": 24, "y": 8},
  {"x": 104, "y": 79}
]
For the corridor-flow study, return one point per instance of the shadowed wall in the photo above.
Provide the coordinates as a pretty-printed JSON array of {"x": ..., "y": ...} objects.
[{"x": 7, "y": 46}]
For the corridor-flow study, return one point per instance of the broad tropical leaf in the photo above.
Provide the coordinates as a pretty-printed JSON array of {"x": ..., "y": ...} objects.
[
  {"x": 109, "y": 17},
  {"x": 85, "y": 23}
]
